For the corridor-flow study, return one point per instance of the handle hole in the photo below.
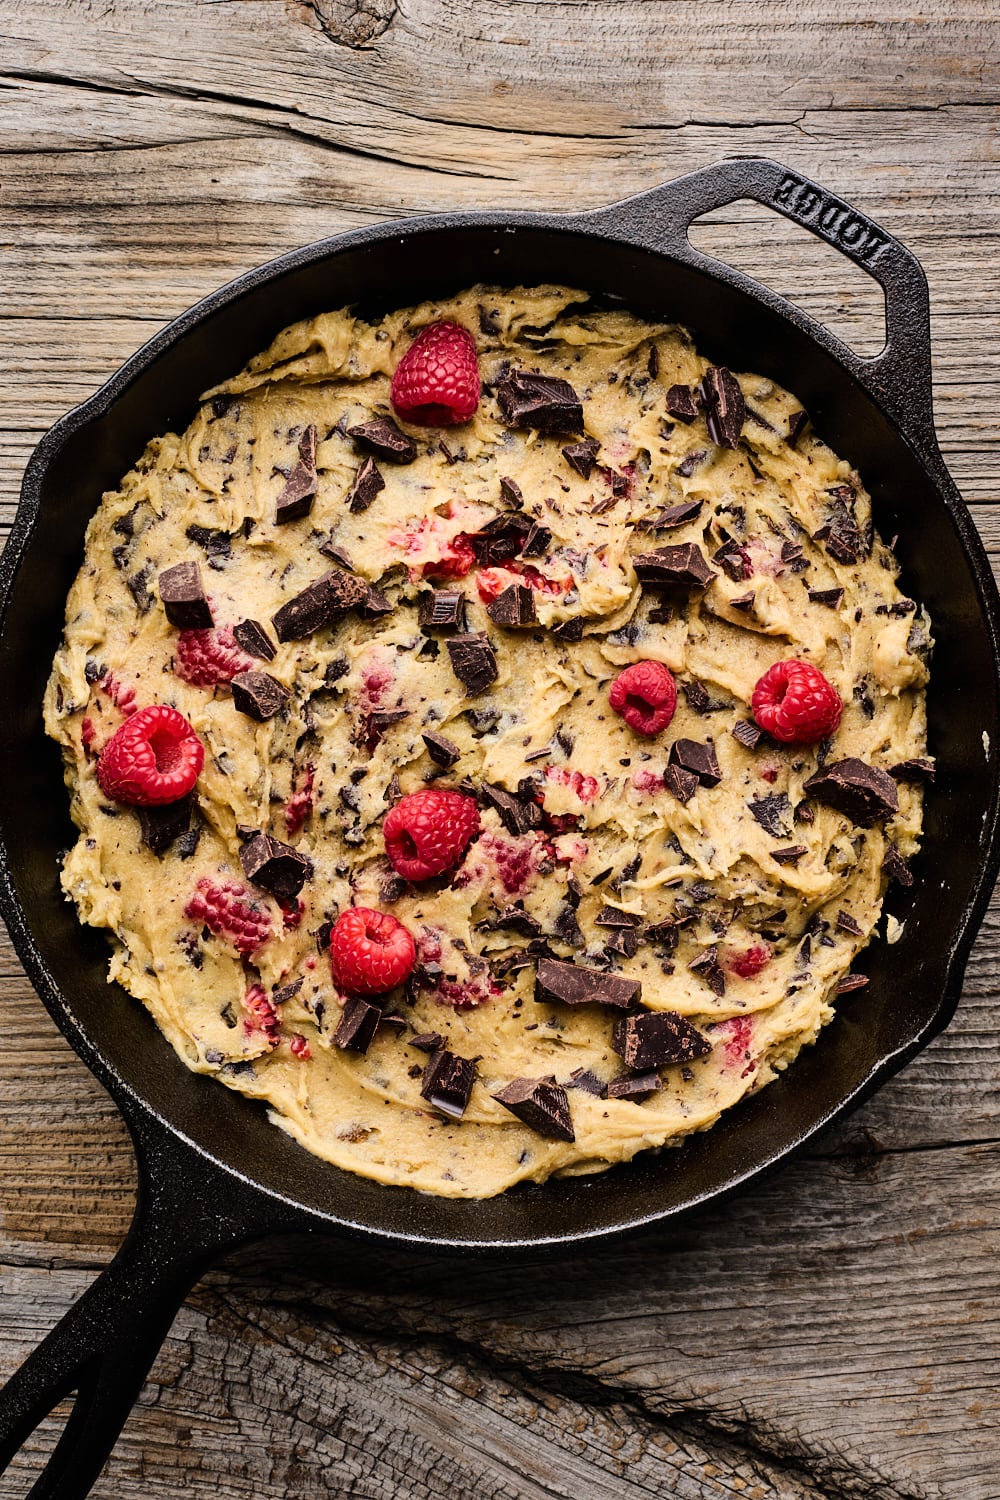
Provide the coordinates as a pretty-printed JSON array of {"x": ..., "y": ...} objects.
[{"x": 798, "y": 266}]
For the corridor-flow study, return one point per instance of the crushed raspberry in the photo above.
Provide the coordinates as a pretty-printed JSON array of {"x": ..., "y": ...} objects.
[
  {"x": 751, "y": 961},
  {"x": 261, "y": 1017},
  {"x": 645, "y": 695},
  {"x": 87, "y": 733},
  {"x": 795, "y": 703},
  {"x": 467, "y": 994},
  {"x": 433, "y": 552},
  {"x": 292, "y": 913},
  {"x": 737, "y": 1034},
  {"x": 436, "y": 383},
  {"x": 490, "y": 582},
  {"x": 516, "y": 860},
  {"x": 378, "y": 673},
  {"x": 210, "y": 658},
  {"x": 620, "y": 484},
  {"x": 645, "y": 781},
  {"x": 429, "y": 948},
  {"x": 121, "y": 695},
  {"x": 769, "y": 773},
  {"x": 228, "y": 910},
  {"x": 428, "y": 832},
  {"x": 154, "y": 758},
  {"x": 457, "y": 559},
  {"x": 584, "y": 787},
  {"x": 300, "y": 1048},
  {"x": 568, "y": 850},
  {"x": 300, "y": 804},
  {"x": 370, "y": 952}
]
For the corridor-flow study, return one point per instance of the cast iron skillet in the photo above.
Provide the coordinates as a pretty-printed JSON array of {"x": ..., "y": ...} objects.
[{"x": 212, "y": 1172}]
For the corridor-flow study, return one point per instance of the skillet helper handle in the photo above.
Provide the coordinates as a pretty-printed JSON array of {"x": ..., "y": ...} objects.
[
  {"x": 188, "y": 1214},
  {"x": 900, "y": 375}
]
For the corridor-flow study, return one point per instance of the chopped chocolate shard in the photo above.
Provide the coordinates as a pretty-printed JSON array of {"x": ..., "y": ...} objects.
[
  {"x": 515, "y": 919},
  {"x": 183, "y": 596},
  {"x": 789, "y": 855},
  {"x": 473, "y": 661},
  {"x": 851, "y": 982},
  {"x": 681, "y": 404},
  {"x": 374, "y": 605},
  {"x": 804, "y": 812},
  {"x": 830, "y": 598},
  {"x": 699, "y": 758},
  {"x": 683, "y": 784},
  {"x": 708, "y": 966},
  {"x": 296, "y": 499},
  {"x": 274, "y": 866},
  {"x": 427, "y": 1041},
  {"x": 573, "y": 984},
  {"x": 482, "y": 721},
  {"x": 441, "y": 609},
  {"x": 846, "y": 923},
  {"x": 655, "y": 1039},
  {"x": 387, "y": 440},
  {"x": 624, "y": 941},
  {"x": 684, "y": 564},
  {"x": 217, "y": 544},
  {"x": 863, "y": 793},
  {"x": 613, "y": 916},
  {"x": 662, "y": 935},
  {"x": 569, "y": 630},
  {"x": 254, "y": 639},
  {"x": 286, "y": 991},
  {"x": 582, "y": 456},
  {"x": 162, "y": 825},
  {"x": 358, "y": 1025},
  {"x": 329, "y": 548},
  {"x": 918, "y": 769},
  {"x": 895, "y": 866},
  {"x": 691, "y": 461},
  {"x": 258, "y": 695},
  {"x": 583, "y": 1078},
  {"x": 368, "y": 483},
  {"x": 773, "y": 813},
  {"x": 748, "y": 733},
  {"x": 443, "y": 752},
  {"x": 323, "y": 602},
  {"x": 374, "y": 725},
  {"x": 541, "y": 1104},
  {"x": 514, "y": 607},
  {"x": 447, "y": 1083},
  {"x": 672, "y": 516},
  {"x": 634, "y": 1086},
  {"x": 724, "y": 407},
  {"x": 510, "y": 492},
  {"x": 734, "y": 560},
  {"x": 798, "y": 421},
  {"x": 626, "y": 873},
  {"x": 567, "y": 928},
  {"x": 518, "y": 814},
  {"x": 537, "y": 542},
  {"x": 501, "y": 539},
  {"x": 540, "y": 401}
]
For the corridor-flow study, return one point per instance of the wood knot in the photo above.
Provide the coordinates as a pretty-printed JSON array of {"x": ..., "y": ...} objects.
[{"x": 354, "y": 23}]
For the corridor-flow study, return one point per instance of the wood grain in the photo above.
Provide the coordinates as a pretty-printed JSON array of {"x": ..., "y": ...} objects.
[{"x": 832, "y": 1332}]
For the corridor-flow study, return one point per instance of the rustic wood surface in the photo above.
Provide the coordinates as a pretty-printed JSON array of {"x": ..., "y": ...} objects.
[{"x": 832, "y": 1332}]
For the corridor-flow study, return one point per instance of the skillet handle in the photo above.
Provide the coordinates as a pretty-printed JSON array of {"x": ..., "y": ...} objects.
[
  {"x": 188, "y": 1214},
  {"x": 900, "y": 375}
]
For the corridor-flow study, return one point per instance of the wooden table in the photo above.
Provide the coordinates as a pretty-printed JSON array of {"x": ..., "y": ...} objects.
[{"x": 832, "y": 1332}]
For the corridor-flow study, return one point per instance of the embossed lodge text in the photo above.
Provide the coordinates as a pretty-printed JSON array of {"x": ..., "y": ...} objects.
[{"x": 837, "y": 223}]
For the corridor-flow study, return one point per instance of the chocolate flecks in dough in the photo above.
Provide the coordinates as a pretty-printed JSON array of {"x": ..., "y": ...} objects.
[
  {"x": 724, "y": 406},
  {"x": 680, "y": 403},
  {"x": 518, "y": 814},
  {"x": 335, "y": 670},
  {"x": 789, "y": 856},
  {"x": 699, "y": 758},
  {"x": 573, "y": 984},
  {"x": 541, "y": 1104},
  {"x": 441, "y": 609},
  {"x": 374, "y": 725},
  {"x": 513, "y": 607},
  {"x": 328, "y": 599},
  {"x": 258, "y": 695},
  {"x": 773, "y": 813},
  {"x": 683, "y": 784},
  {"x": 368, "y": 482},
  {"x": 708, "y": 967},
  {"x": 830, "y": 598},
  {"x": 847, "y": 923},
  {"x": 747, "y": 733},
  {"x": 672, "y": 516},
  {"x": 254, "y": 639},
  {"x": 569, "y": 630},
  {"x": 183, "y": 596},
  {"x": 567, "y": 928},
  {"x": 442, "y": 751},
  {"x": 863, "y": 793},
  {"x": 582, "y": 456},
  {"x": 296, "y": 499},
  {"x": 447, "y": 1083},
  {"x": 161, "y": 826},
  {"x": 895, "y": 866},
  {"x": 917, "y": 770},
  {"x": 385, "y": 439},
  {"x": 849, "y": 982},
  {"x": 473, "y": 661},
  {"x": 864, "y": 698},
  {"x": 585, "y": 1080},
  {"x": 634, "y": 1086},
  {"x": 358, "y": 1025},
  {"x": 483, "y": 721},
  {"x": 274, "y": 866},
  {"x": 545, "y": 402},
  {"x": 655, "y": 1039},
  {"x": 684, "y": 564},
  {"x": 627, "y": 873}
]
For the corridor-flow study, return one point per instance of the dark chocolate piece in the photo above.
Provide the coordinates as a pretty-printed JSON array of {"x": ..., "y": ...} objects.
[
  {"x": 329, "y": 548},
  {"x": 541, "y": 401},
  {"x": 518, "y": 814},
  {"x": 691, "y": 461},
  {"x": 895, "y": 866},
  {"x": 323, "y": 602},
  {"x": 569, "y": 630},
  {"x": 681, "y": 404},
  {"x": 501, "y": 539},
  {"x": 684, "y": 564},
  {"x": 583, "y": 1078},
  {"x": 846, "y": 923},
  {"x": 623, "y": 942},
  {"x": 473, "y": 661},
  {"x": 515, "y": 919},
  {"x": 772, "y": 813},
  {"x": 374, "y": 605},
  {"x": 560, "y": 981},
  {"x": 447, "y": 1083},
  {"x": 258, "y": 695},
  {"x": 567, "y": 928},
  {"x": 274, "y": 866},
  {"x": 851, "y": 982},
  {"x": 708, "y": 966},
  {"x": 217, "y": 544},
  {"x": 162, "y": 825},
  {"x": 383, "y": 436},
  {"x": 734, "y": 560},
  {"x": 183, "y": 596},
  {"x": 655, "y": 1039},
  {"x": 582, "y": 456},
  {"x": 683, "y": 784},
  {"x": 699, "y": 758},
  {"x": 918, "y": 769},
  {"x": 358, "y": 1025},
  {"x": 612, "y": 916},
  {"x": 634, "y": 1086},
  {"x": 798, "y": 421},
  {"x": 374, "y": 725},
  {"x": 442, "y": 751},
  {"x": 254, "y": 639},
  {"x": 537, "y": 542},
  {"x": 296, "y": 499},
  {"x": 748, "y": 733},
  {"x": 831, "y": 598},
  {"x": 863, "y": 793},
  {"x": 510, "y": 492},
  {"x": 789, "y": 855},
  {"x": 368, "y": 483},
  {"x": 514, "y": 607},
  {"x": 724, "y": 407},
  {"x": 672, "y": 516},
  {"x": 427, "y": 1041},
  {"x": 441, "y": 609},
  {"x": 541, "y": 1104},
  {"x": 745, "y": 601}
]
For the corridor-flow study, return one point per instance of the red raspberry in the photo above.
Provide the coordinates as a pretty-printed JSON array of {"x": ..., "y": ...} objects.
[
  {"x": 795, "y": 703},
  {"x": 645, "y": 695},
  {"x": 370, "y": 952},
  {"x": 154, "y": 758},
  {"x": 261, "y": 1015},
  {"x": 209, "y": 658},
  {"x": 427, "y": 832},
  {"x": 229, "y": 911},
  {"x": 751, "y": 961},
  {"x": 436, "y": 383},
  {"x": 300, "y": 804}
]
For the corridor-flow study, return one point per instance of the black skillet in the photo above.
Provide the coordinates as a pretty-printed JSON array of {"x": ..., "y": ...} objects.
[{"x": 212, "y": 1172}]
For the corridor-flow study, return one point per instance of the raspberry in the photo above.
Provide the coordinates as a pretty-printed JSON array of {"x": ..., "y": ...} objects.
[
  {"x": 300, "y": 1048},
  {"x": 300, "y": 804},
  {"x": 209, "y": 658},
  {"x": 645, "y": 695},
  {"x": 370, "y": 952},
  {"x": 154, "y": 758},
  {"x": 436, "y": 383},
  {"x": 229, "y": 912},
  {"x": 751, "y": 961},
  {"x": 795, "y": 703},
  {"x": 261, "y": 1015},
  {"x": 584, "y": 787},
  {"x": 428, "y": 832},
  {"x": 456, "y": 560}
]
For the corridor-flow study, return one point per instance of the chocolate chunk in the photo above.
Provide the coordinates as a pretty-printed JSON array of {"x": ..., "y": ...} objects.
[
  {"x": 510, "y": 492},
  {"x": 358, "y": 1025},
  {"x": 569, "y": 630},
  {"x": 917, "y": 769},
  {"x": 258, "y": 695},
  {"x": 708, "y": 966},
  {"x": 473, "y": 661},
  {"x": 748, "y": 733},
  {"x": 583, "y": 1078},
  {"x": 443, "y": 752},
  {"x": 383, "y": 436},
  {"x": 162, "y": 825},
  {"x": 773, "y": 813},
  {"x": 790, "y": 855},
  {"x": 183, "y": 596},
  {"x": 685, "y": 564},
  {"x": 374, "y": 605},
  {"x": 864, "y": 793},
  {"x": 745, "y": 601},
  {"x": 323, "y": 602},
  {"x": 734, "y": 560},
  {"x": 623, "y": 942},
  {"x": 441, "y": 609},
  {"x": 681, "y": 404},
  {"x": 662, "y": 935},
  {"x": 831, "y": 598},
  {"x": 724, "y": 407},
  {"x": 683, "y": 784},
  {"x": 254, "y": 639},
  {"x": 691, "y": 461},
  {"x": 582, "y": 456},
  {"x": 672, "y": 516},
  {"x": 217, "y": 544},
  {"x": 846, "y": 923},
  {"x": 851, "y": 982},
  {"x": 374, "y": 725},
  {"x": 368, "y": 483},
  {"x": 427, "y": 1041},
  {"x": 612, "y": 916},
  {"x": 501, "y": 539},
  {"x": 518, "y": 814},
  {"x": 515, "y": 919},
  {"x": 447, "y": 1083},
  {"x": 482, "y": 721},
  {"x": 515, "y": 606},
  {"x": 296, "y": 499},
  {"x": 654, "y": 1039},
  {"x": 541, "y": 1104},
  {"x": 329, "y": 548},
  {"x": 798, "y": 421},
  {"x": 699, "y": 758},
  {"x": 634, "y": 1086},
  {"x": 541, "y": 401},
  {"x": 537, "y": 542},
  {"x": 274, "y": 866},
  {"x": 567, "y": 928},
  {"x": 895, "y": 866},
  {"x": 573, "y": 984}
]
